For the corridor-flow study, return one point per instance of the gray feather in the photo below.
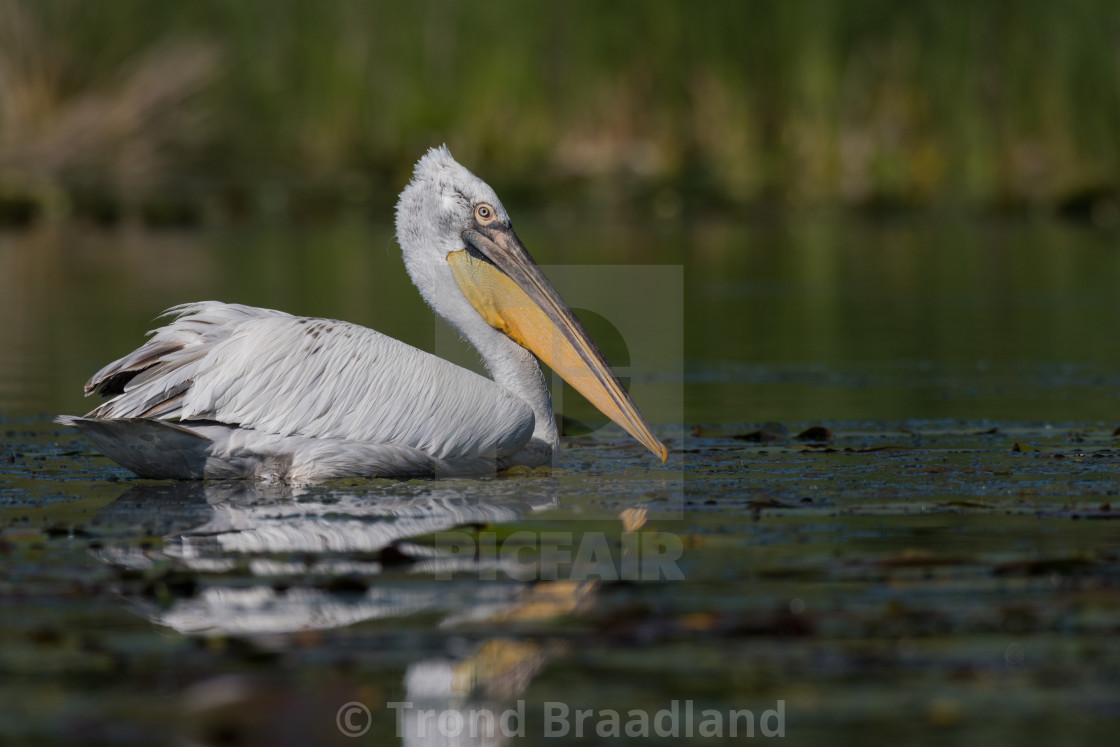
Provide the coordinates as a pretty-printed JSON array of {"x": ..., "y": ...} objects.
[{"x": 293, "y": 398}]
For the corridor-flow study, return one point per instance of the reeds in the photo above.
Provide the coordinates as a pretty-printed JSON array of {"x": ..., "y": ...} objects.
[
  {"x": 255, "y": 106},
  {"x": 120, "y": 132}
]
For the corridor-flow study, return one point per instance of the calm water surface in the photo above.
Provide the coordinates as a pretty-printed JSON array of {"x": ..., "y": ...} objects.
[
  {"x": 804, "y": 319},
  {"x": 943, "y": 570}
]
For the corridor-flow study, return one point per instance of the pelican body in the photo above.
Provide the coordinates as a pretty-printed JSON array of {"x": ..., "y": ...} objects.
[{"x": 226, "y": 391}]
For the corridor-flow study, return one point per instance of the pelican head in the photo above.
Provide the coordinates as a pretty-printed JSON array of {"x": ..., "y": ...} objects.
[{"x": 461, "y": 251}]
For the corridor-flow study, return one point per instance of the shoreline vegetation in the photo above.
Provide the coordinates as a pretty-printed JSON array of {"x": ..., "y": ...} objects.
[{"x": 161, "y": 114}]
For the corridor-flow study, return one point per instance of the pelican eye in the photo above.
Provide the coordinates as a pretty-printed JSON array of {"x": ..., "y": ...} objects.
[{"x": 484, "y": 213}]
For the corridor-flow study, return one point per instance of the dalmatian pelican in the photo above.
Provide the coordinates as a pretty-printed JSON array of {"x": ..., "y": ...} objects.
[{"x": 226, "y": 391}]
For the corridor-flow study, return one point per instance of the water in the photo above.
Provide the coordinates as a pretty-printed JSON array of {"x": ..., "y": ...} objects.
[
  {"x": 806, "y": 319},
  {"x": 944, "y": 569}
]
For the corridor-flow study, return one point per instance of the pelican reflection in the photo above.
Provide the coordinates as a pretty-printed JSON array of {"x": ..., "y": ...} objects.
[
  {"x": 301, "y": 547},
  {"x": 264, "y": 561}
]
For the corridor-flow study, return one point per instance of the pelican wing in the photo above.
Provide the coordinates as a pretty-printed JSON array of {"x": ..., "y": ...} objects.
[{"x": 283, "y": 375}]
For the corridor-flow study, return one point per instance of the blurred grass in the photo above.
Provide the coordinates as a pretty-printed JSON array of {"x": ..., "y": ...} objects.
[{"x": 211, "y": 110}]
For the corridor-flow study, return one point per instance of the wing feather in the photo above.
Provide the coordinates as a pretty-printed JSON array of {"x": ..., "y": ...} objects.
[{"x": 319, "y": 378}]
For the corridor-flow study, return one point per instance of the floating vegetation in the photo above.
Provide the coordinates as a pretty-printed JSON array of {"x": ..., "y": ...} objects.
[{"x": 949, "y": 583}]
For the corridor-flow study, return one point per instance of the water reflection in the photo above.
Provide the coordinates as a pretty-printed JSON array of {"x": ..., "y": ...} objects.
[
  {"x": 272, "y": 560},
  {"x": 805, "y": 319},
  {"x": 326, "y": 540}
]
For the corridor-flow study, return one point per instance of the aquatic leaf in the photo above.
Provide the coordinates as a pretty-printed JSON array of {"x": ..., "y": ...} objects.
[
  {"x": 770, "y": 432},
  {"x": 1043, "y": 567},
  {"x": 815, "y": 433}
]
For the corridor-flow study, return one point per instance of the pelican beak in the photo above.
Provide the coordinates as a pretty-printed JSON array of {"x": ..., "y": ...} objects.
[{"x": 508, "y": 289}]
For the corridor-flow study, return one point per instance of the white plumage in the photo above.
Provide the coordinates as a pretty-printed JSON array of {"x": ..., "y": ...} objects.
[{"x": 258, "y": 393}]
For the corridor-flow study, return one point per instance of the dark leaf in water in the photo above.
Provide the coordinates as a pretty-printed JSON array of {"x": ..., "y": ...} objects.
[
  {"x": 1043, "y": 567},
  {"x": 922, "y": 559},
  {"x": 769, "y": 503},
  {"x": 58, "y": 530},
  {"x": 392, "y": 556},
  {"x": 1104, "y": 513},
  {"x": 348, "y": 584},
  {"x": 170, "y": 585},
  {"x": 45, "y": 636},
  {"x": 769, "y": 433},
  {"x": 815, "y": 433},
  {"x": 782, "y": 623}
]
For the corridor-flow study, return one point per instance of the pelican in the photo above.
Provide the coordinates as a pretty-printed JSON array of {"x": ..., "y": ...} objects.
[{"x": 226, "y": 391}]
